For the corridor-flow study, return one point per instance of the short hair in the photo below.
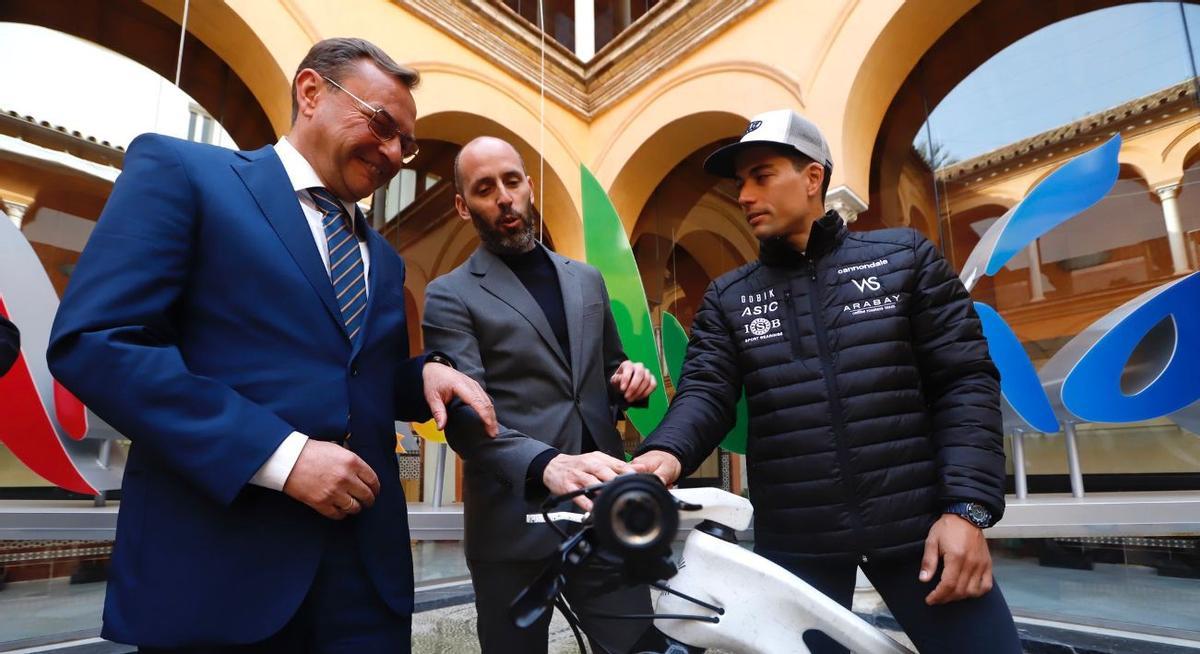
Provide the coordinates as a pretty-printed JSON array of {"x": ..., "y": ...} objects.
[
  {"x": 333, "y": 57},
  {"x": 458, "y": 180},
  {"x": 801, "y": 161}
]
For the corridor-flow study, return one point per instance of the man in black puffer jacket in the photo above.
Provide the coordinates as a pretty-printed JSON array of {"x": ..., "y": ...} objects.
[{"x": 875, "y": 429}]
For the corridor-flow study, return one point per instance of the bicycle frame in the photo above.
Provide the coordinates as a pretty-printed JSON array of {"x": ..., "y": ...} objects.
[
  {"x": 726, "y": 597},
  {"x": 766, "y": 608}
]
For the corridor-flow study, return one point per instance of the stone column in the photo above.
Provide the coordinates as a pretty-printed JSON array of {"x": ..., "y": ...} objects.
[
  {"x": 1169, "y": 195},
  {"x": 1036, "y": 290},
  {"x": 1020, "y": 477}
]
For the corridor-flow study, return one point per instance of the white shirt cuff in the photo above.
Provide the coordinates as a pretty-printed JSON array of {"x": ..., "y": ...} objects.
[{"x": 274, "y": 473}]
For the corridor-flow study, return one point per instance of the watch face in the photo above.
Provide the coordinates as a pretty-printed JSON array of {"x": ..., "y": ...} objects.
[{"x": 979, "y": 514}]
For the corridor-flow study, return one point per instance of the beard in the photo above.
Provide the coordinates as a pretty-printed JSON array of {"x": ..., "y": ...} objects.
[{"x": 507, "y": 242}]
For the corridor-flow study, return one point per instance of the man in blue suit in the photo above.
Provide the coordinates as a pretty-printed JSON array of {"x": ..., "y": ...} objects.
[{"x": 234, "y": 316}]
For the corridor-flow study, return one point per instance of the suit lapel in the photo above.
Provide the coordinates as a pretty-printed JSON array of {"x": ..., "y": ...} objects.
[
  {"x": 499, "y": 280},
  {"x": 265, "y": 178},
  {"x": 377, "y": 249},
  {"x": 572, "y": 293}
]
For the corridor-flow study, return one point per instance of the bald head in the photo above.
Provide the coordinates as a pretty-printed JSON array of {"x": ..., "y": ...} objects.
[
  {"x": 495, "y": 194},
  {"x": 480, "y": 152}
]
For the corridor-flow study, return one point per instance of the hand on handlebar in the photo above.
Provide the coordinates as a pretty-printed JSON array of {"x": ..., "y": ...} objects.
[
  {"x": 662, "y": 464},
  {"x": 566, "y": 473}
]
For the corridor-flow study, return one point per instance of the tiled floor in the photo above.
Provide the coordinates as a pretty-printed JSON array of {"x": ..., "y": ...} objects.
[
  {"x": 1122, "y": 596},
  {"x": 35, "y": 609}
]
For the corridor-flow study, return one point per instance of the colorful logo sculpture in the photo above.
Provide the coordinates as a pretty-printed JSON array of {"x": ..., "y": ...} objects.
[
  {"x": 41, "y": 423},
  {"x": 1132, "y": 364}
]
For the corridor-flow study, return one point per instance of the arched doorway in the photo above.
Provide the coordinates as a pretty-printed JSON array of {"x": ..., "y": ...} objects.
[{"x": 151, "y": 37}]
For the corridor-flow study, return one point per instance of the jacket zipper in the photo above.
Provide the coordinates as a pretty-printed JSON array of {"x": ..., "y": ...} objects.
[
  {"x": 835, "y": 401},
  {"x": 797, "y": 351}
]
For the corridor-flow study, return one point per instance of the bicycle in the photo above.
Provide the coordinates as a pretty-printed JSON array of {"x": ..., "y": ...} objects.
[{"x": 718, "y": 596}]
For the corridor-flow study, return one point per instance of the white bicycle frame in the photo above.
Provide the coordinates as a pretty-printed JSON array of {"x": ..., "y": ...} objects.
[{"x": 766, "y": 609}]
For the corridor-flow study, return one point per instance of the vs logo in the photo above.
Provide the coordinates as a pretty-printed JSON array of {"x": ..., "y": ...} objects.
[
  {"x": 868, "y": 284},
  {"x": 43, "y": 425}
]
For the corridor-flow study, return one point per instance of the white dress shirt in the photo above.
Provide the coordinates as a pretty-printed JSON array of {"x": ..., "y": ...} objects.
[{"x": 274, "y": 473}]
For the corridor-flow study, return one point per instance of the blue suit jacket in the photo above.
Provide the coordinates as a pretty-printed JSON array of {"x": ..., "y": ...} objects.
[{"x": 200, "y": 323}]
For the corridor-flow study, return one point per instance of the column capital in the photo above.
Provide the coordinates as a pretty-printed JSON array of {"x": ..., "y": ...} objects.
[
  {"x": 845, "y": 202},
  {"x": 1168, "y": 191},
  {"x": 14, "y": 211}
]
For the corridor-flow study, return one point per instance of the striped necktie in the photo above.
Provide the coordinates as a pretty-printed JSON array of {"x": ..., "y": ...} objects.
[{"x": 346, "y": 268}]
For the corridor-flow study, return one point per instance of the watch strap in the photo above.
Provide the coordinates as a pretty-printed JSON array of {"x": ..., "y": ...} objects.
[{"x": 439, "y": 357}]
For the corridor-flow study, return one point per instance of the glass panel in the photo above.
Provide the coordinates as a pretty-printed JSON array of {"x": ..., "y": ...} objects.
[
  {"x": 408, "y": 187},
  {"x": 559, "y": 18},
  {"x": 985, "y": 143},
  {"x": 50, "y": 587},
  {"x": 1134, "y": 582},
  {"x": 207, "y": 135},
  {"x": 614, "y": 16},
  {"x": 391, "y": 202},
  {"x": 1000, "y": 130}
]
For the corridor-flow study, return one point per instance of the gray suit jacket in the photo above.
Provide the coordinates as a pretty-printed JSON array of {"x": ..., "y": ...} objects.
[{"x": 482, "y": 316}]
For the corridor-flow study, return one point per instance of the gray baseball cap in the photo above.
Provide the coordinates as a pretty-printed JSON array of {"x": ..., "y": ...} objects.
[{"x": 782, "y": 126}]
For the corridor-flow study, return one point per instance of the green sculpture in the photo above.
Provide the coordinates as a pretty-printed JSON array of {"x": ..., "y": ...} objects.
[{"x": 608, "y": 249}]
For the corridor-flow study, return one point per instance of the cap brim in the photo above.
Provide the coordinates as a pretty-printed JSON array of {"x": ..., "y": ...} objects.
[{"x": 721, "y": 161}]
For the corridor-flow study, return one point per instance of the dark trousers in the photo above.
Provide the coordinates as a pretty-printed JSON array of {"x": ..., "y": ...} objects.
[
  {"x": 981, "y": 625},
  {"x": 342, "y": 614},
  {"x": 498, "y": 583}
]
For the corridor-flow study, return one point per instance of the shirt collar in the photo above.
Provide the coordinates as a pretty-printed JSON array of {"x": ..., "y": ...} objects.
[{"x": 300, "y": 173}]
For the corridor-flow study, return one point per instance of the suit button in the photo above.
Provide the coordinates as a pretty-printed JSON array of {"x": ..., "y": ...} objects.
[{"x": 354, "y": 372}]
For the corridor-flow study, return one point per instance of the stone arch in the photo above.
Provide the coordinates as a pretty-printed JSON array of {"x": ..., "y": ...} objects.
[
  {"x": 639, "y": 147},
  {"x": 223, "y": 63},
  {"x": 561, "y": 212},
  {"x": 1185, "y": 149},
  {"x": 658, "y": 155},
  {"x": 886, "y": 100}
]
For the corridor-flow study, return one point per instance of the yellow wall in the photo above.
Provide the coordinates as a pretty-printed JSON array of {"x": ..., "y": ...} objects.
[{"x": 838, "y": 62}]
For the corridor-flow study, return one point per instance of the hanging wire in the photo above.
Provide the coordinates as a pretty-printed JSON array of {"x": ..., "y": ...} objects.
[
  {"x": 1187, "y": 37},
  {"x": 541, "y": 182},
  {"x": 182, "y": 34}
]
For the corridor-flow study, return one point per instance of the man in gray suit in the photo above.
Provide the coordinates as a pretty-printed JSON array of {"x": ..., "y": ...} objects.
[{"x": 536, "y": 331}]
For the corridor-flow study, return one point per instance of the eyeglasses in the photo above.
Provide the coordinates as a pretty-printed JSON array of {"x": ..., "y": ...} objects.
[{"x": 383, "y": 126}]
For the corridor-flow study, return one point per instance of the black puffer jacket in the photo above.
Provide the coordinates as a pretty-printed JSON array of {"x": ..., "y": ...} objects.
[{"x": 873, "y": 401}]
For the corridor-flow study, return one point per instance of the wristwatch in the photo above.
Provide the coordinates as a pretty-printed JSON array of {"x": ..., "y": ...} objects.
[
  {"x": 974, "y": 513},
  {"x": 438, "y": 357}
]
